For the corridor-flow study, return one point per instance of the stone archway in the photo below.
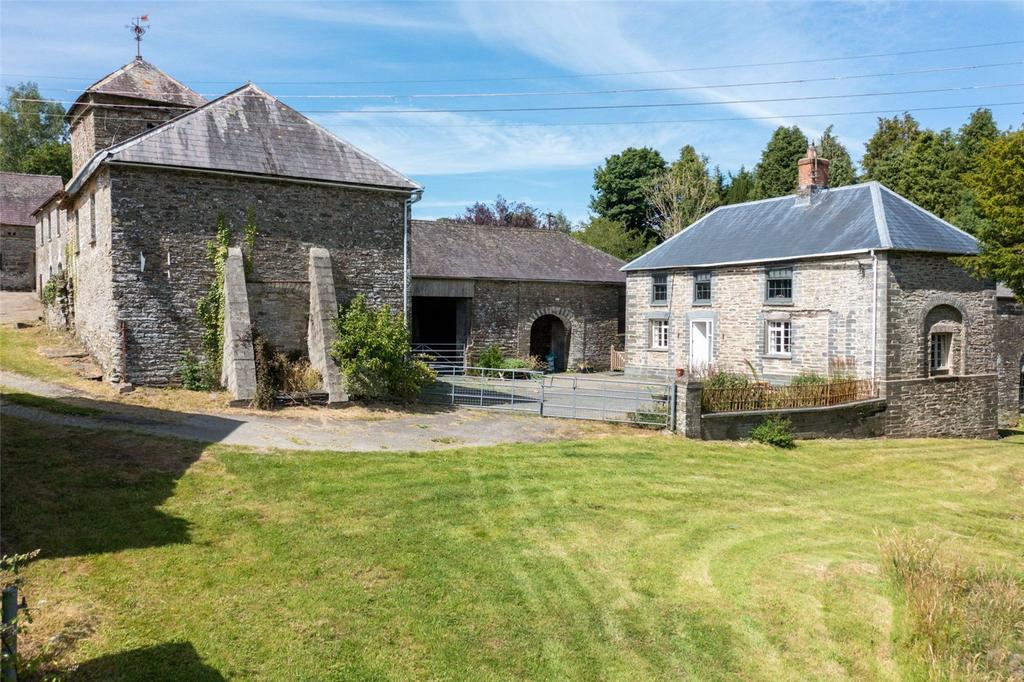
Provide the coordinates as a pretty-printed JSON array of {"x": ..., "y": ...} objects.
[
  {"x": 943, "y": 316},
  {"x": 575, "y": 332},
  {"x": 549, "y": 341}
]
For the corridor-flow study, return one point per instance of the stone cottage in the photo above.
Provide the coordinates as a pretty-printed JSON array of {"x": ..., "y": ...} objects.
[
  {"x": 155, "y": 166},
  {"x": 20, "y": 194},
  {"x": 855, "y": 279},
  {"x": 531, "y": 292}
]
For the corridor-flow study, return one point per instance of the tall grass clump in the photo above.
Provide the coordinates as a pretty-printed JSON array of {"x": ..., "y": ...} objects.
[{"x": 960, "y": 621}]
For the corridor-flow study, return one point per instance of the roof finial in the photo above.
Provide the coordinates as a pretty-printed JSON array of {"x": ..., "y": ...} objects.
[{"x": 138, "y": 28}]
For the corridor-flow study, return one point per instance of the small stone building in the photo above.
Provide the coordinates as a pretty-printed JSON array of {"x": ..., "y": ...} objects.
[
  {"x": 855, "y": 279},
  {"x": 531, "y": 292},
  {"x": 20, "y": 195},
  {"x": 1009, "y": 355},
  {"x": 155, "y": 167}
]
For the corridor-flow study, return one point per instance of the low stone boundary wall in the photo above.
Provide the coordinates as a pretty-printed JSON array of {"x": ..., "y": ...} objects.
[
  {"x": 943, "y": 407},
  {"x": 862, "y": 419},
  {"x": 238, "y": 366}
]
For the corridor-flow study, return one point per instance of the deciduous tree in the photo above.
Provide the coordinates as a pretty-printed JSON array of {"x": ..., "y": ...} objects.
[
  {"x": 612, "y": 238},
  {"x": 683, "y": 194},
  {"x": 620, "y": 189},
  {"x": 33, "y": 134}
]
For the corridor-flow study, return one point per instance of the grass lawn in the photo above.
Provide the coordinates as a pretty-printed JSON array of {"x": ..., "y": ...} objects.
[{"x": 627, "y": 557}]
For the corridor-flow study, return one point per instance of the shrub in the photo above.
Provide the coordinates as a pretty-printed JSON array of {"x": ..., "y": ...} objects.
[
  {"x": 195, "y": 374},
  {"x": 52, "y": 288},
  {"x": 269, "y": 373},
  {"x": 299, "y": 376},
  {"x": 373, "y": 350},
  {"x": 962, "y": 621},
  {"x": 777, "y": 431},
  {"x": 491, "y": 358},
  {"x": 723, "y": 379},
  {"x": 809, "y": 379}
]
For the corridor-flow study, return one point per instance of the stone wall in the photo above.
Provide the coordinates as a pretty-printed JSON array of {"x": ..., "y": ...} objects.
[
  {"x": 99, "y": 126},
  {"x": 919, "y": 283},
  {"x": 1009, "y": 357},
  {"x": 864, "y": 419},
  {"x": 280, "y": 311},
  {"x": 502, "y": 313},
  {"x": 77, "y": 240},
  {"x": 942, "y": 407},
  {"x": 17, "y": 257},
  {"x": 830, "y": 314},
  {"x": 170, "y": 216}
]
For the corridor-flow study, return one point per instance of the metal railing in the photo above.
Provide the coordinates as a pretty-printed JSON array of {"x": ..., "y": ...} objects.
[
  {"x": 643, "y": 403},
  {"x": 443, "y": 358},
  {"x": 762, "y": 396},
  {"x": 501, "y": 389}
]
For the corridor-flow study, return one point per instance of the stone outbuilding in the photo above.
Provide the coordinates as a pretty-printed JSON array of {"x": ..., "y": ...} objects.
[
  {"x": 531, "y": 292},
  {"x": 155, "y": 167},
  {"x": 20, "y": 195},
  {"x": 856, "y": 280}
]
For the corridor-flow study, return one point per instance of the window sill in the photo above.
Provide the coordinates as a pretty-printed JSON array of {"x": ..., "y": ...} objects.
[
  {"x": 657, "y": 350},
  {"x": 790, "y": 302},
  {"x": 702, "y": 304},
  {"x": 660, "y": 304},
  {"x": 778, "y": 356}
]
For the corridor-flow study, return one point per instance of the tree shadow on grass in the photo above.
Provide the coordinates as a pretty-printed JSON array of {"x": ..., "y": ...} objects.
[
  {"x": 169, "y": 661},
  {"x": 71, "y": 491}
]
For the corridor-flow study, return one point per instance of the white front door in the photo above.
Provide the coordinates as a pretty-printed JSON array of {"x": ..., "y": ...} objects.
[{"x": 700, "y": 344}]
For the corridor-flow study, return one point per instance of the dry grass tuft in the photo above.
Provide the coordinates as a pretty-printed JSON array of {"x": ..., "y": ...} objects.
[{"x": 962, "y": 621}]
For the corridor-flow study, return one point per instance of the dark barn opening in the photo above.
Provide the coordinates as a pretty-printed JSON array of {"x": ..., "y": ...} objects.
[
  {"x": 549, "y": 340},
  {"x": 440, "y": 327}
]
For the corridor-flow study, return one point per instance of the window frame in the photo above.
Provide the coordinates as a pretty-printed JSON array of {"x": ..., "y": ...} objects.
[
  {"x": 769, "y": 278},
  {"x": 703, "y": 277},
  {"x": 654, "y": 288},
  {"x": 946, "y": 354},
  {"x": 656, "y": 329},
  {"x": 784, "y": 330}
]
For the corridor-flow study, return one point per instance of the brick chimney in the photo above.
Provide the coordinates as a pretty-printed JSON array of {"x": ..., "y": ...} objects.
[{"x": 812, "y": 175}]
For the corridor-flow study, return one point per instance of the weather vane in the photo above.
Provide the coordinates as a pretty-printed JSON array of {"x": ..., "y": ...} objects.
[{"x": 138, "y": 28}]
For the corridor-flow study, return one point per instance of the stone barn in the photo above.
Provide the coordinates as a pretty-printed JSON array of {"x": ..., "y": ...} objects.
[
  {"x": 155, "y": 167},
  {"x": 20, "y": 195},
  {"x": 531, "y": 292}
]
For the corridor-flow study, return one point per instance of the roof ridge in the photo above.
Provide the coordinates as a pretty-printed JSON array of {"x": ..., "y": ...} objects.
[
  {"x": 29, "y": 175},
  {"x": 881, "y": 224},
  {"x": 925, "y": 210}
]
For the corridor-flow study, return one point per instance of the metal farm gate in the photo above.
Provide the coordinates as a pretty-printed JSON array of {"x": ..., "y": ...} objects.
[{"x": 570, "y": 396}]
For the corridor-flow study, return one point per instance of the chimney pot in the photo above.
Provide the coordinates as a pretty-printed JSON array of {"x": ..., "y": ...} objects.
[{"x": 812, "y": 175}]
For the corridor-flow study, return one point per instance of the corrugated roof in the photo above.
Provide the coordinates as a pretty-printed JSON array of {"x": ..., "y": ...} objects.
[
  {"x": 459, "y": 251},
  {"x": 139, "y": 79},
  {"x": 250, "y": 131},
  {"x": 21, "y": 194},
  {"x": 848, "y": 219}
]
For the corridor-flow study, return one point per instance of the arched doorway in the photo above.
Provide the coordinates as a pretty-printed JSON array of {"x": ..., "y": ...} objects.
[{"x": 549, "y": 340}]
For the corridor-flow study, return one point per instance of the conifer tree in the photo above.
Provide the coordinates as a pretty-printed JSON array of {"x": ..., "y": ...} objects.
[{"x": 775, "y": 175}]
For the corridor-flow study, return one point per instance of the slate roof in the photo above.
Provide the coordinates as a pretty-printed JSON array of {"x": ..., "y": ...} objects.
[
  {"x": 250, "y": 131},
  {"x": 141, "y": 80},
  {"x": 21, "y": 194},
  {"x": 850, "y": 219},
  {"x": 457, "y": 251}
]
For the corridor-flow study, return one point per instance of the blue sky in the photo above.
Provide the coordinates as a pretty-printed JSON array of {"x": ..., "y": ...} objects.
[{"x": 315, "y": 56}]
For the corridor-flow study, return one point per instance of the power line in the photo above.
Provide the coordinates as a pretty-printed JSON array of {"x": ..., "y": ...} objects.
[
  {"x": 819, "y": 60},
  {"x": 682, "y": 120},
  {"x": 590, "y": 107},
  {"x": 618, "y": 91}
]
